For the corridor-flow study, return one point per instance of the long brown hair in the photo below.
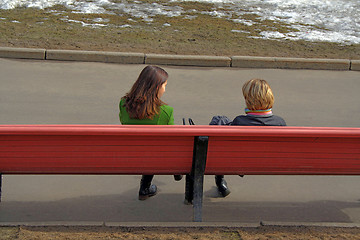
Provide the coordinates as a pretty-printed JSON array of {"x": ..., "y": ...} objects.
[{"x": 142, "y": 102}]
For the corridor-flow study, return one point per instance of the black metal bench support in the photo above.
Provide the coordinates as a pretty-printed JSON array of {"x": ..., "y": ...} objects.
[{"x": 197, "y": 175}]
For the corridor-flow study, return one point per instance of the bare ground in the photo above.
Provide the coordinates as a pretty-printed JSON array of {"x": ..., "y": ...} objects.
[
  {"x": 152, "y": 233},
  {"x": 58, "y": 28}
]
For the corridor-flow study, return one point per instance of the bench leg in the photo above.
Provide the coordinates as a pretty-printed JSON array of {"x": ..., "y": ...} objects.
[{"x": 198, "y": 170}]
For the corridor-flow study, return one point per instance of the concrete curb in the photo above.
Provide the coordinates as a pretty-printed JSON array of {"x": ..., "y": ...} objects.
[
  {"x": 95, "y": 56},
  {"x": 22, "y": 53},
  {"x": 290, "y": 63},
  {"x": 355, "y": 65},
  {"x": 188, "y": 60},
  {"x": 181, "y": 60}
]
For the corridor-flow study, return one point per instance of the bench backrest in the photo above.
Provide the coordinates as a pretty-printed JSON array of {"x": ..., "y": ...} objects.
[
  {"x": 285, "y": 151},
  {"x": 120, "y": 149},
  {"x": 86, "y": 149}
]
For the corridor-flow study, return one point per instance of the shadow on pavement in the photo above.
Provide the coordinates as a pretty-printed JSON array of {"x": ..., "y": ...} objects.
[
  {"x": 170, "y": 208},
  {"x": 114, "y": 208}
]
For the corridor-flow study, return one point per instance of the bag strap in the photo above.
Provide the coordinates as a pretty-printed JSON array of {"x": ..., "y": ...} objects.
[{"x": 191, "y": 122}]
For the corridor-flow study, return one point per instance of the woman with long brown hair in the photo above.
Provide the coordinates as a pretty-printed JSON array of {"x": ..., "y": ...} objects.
[{"x": 142, "y": 106}]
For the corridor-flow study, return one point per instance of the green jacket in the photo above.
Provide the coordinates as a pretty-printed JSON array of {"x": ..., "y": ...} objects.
[{"x": 165, "y": 116}]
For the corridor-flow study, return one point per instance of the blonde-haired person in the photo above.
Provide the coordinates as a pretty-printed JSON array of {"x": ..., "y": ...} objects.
[
  {"x": 259, "y": 101},
  {"x": 142, "y": 106}
]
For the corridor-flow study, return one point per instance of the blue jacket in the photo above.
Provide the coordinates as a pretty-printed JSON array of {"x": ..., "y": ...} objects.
[{"x": 254, "y": 120}]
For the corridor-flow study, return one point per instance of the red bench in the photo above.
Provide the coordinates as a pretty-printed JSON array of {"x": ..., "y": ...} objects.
[{"x": 193, "y": 150}]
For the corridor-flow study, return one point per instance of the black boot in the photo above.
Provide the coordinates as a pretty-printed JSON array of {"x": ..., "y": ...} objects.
[
  {"x": 189, "y": 190},
  {"x": 146, "y": 188},
  {"x": 178, "y": 177},
  {"x": 222, "y": 185}
]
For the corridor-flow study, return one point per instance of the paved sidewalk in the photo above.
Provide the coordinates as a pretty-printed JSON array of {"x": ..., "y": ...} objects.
[{"x": 50, "y": 92}]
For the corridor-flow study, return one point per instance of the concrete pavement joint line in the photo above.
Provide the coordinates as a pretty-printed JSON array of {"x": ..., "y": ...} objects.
[
  {"x": 311, "y": 224},
  {"x": 131, "y": 224},
  {"x": 50, "y": 224},
  {"x": 355, "y": 65},
  {"x": 182, "y": 224},
  {"x": 181, "y": 60}
]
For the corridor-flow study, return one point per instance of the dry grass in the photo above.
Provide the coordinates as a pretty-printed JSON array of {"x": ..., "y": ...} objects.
[{"x": 202, "y": 35}]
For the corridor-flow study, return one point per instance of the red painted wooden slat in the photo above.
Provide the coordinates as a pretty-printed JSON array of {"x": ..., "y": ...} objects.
[
  {"x": 70, "y": 143},
  {"x": 99, "y": 170},
  {"x": 70, "y": 148},
  {"x": 156, "y": 161},
  {"x": 219, "y": 156},
  {"x": 87, "y": 138},
  {"x": 177, "y": 130},
  {"x": 212, "y": 156},
  {"x": 269, "y": 142},
  {"x": 117, "y": 162},
  {"x": 299, "y": 167},
  {"x": 97, "y": 154},
  {"x": 289, "y": 147},
  {"x": 92, "y": 140},
  {"x": 102, "y": 171},
  {"x": 171, "y": 165},
  {"x": 284, "y": 162},
  {"x": 344, "y": 139},
  {"x": 286, "y": 165}
]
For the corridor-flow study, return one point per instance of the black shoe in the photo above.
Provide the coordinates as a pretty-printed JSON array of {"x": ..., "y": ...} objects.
[
  {"x": 187, "y": 202},
  {"x": 147, "y": 192},
  {"x": 178, "y": 177},
  {"x": 222, "y": 185},
  {"x": 223, "y": 189}
]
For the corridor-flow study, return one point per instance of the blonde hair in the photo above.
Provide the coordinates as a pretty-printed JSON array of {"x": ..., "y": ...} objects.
[{"x": 258, "y": 94}]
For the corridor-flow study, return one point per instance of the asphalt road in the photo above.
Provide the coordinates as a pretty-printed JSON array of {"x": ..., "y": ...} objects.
[{"x": 49, "y": 92}]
